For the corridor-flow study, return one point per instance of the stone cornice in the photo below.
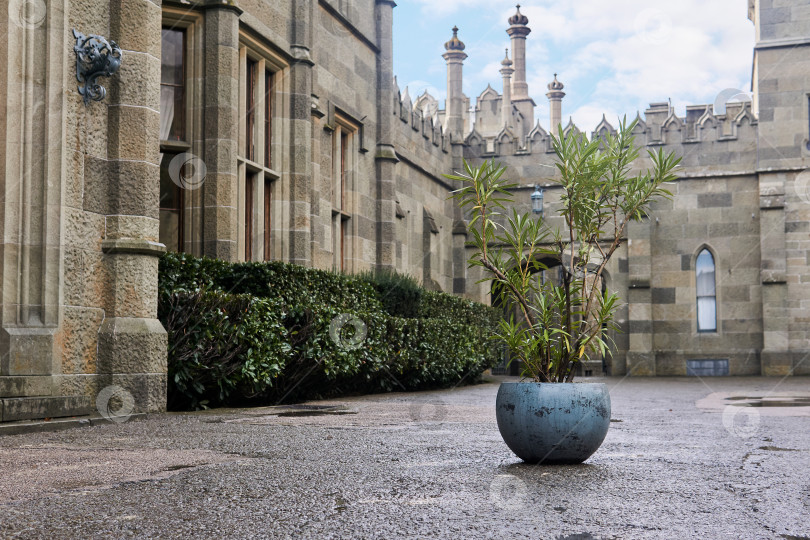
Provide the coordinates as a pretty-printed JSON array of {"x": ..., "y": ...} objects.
[
  {"x": 132, "y": 246},
  {"x": 222, "y": 4},
  {"x": 781, "y": 43}
]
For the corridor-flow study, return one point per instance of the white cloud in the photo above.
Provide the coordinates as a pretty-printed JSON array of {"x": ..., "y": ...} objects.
[
  {"x": 433, "y": 8},
  {"x": 614, "y": 57}
]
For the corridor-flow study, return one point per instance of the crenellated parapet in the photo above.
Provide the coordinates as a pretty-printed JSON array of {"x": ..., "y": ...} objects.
[
  {"x": 701, "y": 137},
  {"x": 423, "y": 119}
]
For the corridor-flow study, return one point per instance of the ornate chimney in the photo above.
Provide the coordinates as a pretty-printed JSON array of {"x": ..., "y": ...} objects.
[
  {"x": 454, "y": 56},
  {"x": 555, "y": 95},
  {"x": 506, "y": 102},
  {"x": 518, "y": 31}
]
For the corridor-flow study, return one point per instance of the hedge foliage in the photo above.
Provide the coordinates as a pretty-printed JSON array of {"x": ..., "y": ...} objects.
[
  {"x": 401, "y": 295},
  {"x": 250, "y": 333}
]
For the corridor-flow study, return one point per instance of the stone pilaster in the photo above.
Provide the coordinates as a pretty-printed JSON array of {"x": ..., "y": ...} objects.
[
  {"x": 385, "y": 155},
  {"x": 31, "y": 213},
  {"x": 640, "y": 356},
  {"x": 459, "y": 256},
  {"x": 301, "y": 133},
  {"x": 781, "y": 103},
  {"x": 775, "y": 357},
  {"x": 221, "y": 122},
  {"x": 131, "y": 341}
]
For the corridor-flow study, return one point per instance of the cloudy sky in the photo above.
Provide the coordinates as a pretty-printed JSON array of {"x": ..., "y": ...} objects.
[{"x": 613, "y": 57}]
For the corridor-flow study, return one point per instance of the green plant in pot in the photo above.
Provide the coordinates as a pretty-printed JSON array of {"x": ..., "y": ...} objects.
[{"x": 558, "y": 323}]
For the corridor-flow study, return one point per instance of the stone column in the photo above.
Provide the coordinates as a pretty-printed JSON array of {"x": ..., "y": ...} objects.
[
  {"x": 454, "y": 57},
  {"x": 518, "y": 31},
  {"x": 555, "y": 95},
  {"x": 221, "y": 123},
  {"x": 385, "y": 156},
  {"x": 131, "y": 341},
  {"x": 506, "y": 103},
  {"x": 301, "y": 133}
]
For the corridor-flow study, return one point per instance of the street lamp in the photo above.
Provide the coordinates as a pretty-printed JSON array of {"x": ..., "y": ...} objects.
[{"x": 537, "y": 200}]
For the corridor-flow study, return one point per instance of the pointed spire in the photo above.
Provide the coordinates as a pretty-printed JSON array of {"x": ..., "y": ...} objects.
[{"x": 570, "y": 126}]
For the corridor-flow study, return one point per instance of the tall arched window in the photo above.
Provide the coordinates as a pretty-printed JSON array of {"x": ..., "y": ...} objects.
[{"x": 706, "y": 296}]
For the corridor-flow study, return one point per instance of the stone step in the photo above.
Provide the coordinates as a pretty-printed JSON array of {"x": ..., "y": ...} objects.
[{"x": 33, "y": 408}]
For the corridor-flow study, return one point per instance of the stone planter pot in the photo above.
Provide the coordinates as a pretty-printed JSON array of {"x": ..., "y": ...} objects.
[{"x": 553, "y": 423}]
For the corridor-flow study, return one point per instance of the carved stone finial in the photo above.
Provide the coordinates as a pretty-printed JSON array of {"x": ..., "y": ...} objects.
[
  {"x": 518, "y": 18},
  {"x": 506, "y": 61},
  {"x": 454, "y": 44},
  {"x": 555, "y": 85},
  {"x": 95, "y": 57}
]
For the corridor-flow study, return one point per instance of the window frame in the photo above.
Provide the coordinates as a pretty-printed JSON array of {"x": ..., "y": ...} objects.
[
  {"x": 185, "y": 57},
  {"x": 264, "y": 163},
  {"x": 189, "y": 22},
  {"x": 345, "y": 147},
  {"x": 699, "y": 296}
]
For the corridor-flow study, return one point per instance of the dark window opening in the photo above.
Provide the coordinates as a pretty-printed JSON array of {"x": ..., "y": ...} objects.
[
  {"x": 250, "y": 107},
  {"x": 171, "y": 206},
  {"x": 707, "y": 368},
  {"x": 249, "y": 183},
  {"x": 268, "y": 223},
  {"x": 344, "y": 150},
  {"x": 172, "y": 85},
  {"x": 268, "y": 118}
]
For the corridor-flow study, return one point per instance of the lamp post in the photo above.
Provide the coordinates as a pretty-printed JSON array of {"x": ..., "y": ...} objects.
[{"x": 537, "y": 200}]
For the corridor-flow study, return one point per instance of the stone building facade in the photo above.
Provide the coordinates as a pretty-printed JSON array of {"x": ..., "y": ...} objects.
[{"x": 255, "y": 130}]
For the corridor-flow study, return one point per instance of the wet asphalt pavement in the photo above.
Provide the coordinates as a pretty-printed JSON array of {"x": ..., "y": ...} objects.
[{"x": 679, "y": 461}]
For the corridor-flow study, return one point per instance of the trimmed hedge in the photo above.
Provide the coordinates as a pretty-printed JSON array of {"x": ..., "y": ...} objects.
[
  {"x": 251, "y": 333},
  {"x": 401, "y": 295}
]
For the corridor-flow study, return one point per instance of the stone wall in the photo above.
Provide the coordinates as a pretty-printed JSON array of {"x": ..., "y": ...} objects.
[{"x": 80, "y": 222}]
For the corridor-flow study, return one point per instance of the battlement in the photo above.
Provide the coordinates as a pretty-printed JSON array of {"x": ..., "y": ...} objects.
[
  {"x": 429, "y": 127},
  {"x": 705, "y": 139},
  {"x": 660, "y": 126}
]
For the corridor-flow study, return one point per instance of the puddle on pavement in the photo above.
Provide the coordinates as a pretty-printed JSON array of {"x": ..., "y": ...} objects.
[
  {"x": 776, "y": 401},
  {"x": 314, "y": 410}
]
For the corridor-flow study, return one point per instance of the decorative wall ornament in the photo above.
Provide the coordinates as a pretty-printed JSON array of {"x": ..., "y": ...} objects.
[{"x": 95, "y": 57}]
